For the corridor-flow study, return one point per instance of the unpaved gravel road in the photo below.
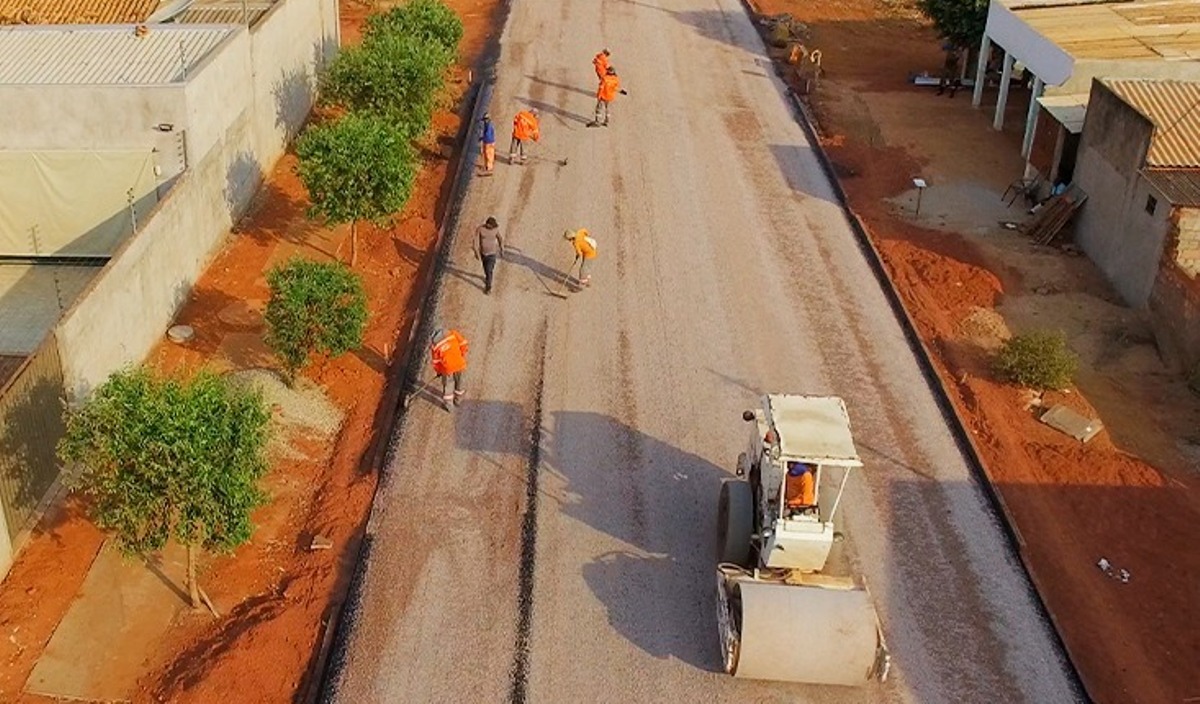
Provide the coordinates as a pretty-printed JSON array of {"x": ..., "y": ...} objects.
[{"x": 552, "y": 540}]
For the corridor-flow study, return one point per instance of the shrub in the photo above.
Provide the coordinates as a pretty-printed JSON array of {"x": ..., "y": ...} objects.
[
  {"x": 427, "y": 20},
  {"x": 357, "y": 168},
  {"x": 395, "y": 77},
  {"x": 314, "y": 307},
  {"x": 170, "y": 459},
  {"x": 1039, "y": 360},
  {"x": 961, "y": 22}
]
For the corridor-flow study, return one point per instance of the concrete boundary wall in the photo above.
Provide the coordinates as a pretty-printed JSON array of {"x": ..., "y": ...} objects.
[{"x": 242, "y": 109}]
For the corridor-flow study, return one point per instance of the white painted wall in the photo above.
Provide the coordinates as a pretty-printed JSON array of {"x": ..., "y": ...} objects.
[{"x": 242, "y": 105}]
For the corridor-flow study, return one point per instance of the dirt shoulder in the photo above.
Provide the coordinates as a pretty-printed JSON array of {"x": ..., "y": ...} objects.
[
  {"x": 1128, "y": 496},
  {"x": 275, "y": 593}
]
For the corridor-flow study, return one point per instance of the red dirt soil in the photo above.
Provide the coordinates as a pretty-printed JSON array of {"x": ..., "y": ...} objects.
[
  {"x": 1072, "y": 504},
  {"x": 274, "y": 594}
]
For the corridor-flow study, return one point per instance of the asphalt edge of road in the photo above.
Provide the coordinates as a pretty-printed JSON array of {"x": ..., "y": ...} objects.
[
  {"x": 331, "y": 658},
  {"x": 962, "y": 437}
]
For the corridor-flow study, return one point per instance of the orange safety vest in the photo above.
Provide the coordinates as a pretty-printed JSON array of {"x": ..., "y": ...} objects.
[
  {"x": 601, "y": 64},
  {"x": 449, "y": 354},
  {"x": 585, "y": 246},
  {"x": 525, "y": 126},
  {"x": 800, "y": 491},
  {"x": 609, "y": 85}
]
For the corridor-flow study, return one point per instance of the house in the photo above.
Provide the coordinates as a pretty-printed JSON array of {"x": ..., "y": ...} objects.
[
  {"x": 1139, "y": 162},
  {"x": 1063, "y": 45}
]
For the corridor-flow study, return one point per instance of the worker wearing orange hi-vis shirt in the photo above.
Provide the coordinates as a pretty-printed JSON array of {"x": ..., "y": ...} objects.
[
  {"x": 600, "y": 63},
  {"x": 610, "y": 85},
  {"x": 449, "y": 352},
  {"x": 585, "y": 251},
  {"x": 525, "y": 127}
]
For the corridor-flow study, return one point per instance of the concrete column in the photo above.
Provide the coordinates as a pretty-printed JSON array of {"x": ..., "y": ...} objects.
[
  {"x": 1031, "y": 116},
  {"x": 985, "y": 48},
  {"x": 1002, "y": 100}
]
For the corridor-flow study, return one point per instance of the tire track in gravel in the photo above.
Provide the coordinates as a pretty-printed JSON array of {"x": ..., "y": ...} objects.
[{"x": 519, "y": 671}]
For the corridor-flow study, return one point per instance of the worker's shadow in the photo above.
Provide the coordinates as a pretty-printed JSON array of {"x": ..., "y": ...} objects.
[
  {"x": 551, "y": 279},
  {"x": 574, "y": 89},
  {"x": 547, "y": 108},
  {"x": 470, "y": 277}
]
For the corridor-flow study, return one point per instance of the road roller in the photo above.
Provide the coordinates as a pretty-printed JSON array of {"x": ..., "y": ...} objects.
[{"x": 780, "y": 614}]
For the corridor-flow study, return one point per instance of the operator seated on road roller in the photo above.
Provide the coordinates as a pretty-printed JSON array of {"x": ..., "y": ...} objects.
[{"x": 800, "y": 488}]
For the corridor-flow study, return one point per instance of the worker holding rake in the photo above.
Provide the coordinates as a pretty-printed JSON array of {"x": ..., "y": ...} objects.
[
  {"x": 448, "y": 350},
  {"x": 585, "y": 251},
  {"x": 610, "y": 85},
  {"x": 525, "y": 128}
]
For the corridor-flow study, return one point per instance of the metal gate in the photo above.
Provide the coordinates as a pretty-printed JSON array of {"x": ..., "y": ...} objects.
[{"x": 31, "y": 423}]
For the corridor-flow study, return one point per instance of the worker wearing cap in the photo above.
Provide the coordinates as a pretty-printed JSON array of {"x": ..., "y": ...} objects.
[
  {"x": 600, "y": 63},
  {"x": 448, "y": 350},
  {"x": 525, "y": 127},
  {"x": 487, "y": 143},
  {"x": 585, "y": 251},
  {"x": 800, "y": 486},
  {"x": 610, "y": 85}
]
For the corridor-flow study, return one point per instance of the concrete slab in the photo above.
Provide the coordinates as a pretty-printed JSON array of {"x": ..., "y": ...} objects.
[
  {"x": 31, "y": 300},
  {"x": 1072, "y": 423},
  {"x": 122, "y": 610}
]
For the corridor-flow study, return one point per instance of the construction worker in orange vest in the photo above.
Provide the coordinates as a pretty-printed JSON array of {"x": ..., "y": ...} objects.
[
  {"x": 600, "y": 63},
  {"x": 449, "y": 355},
  {"x": 585, "y": 251},
  {"x": 610, "y": 85},
  {"x": 525, "y": 127}
]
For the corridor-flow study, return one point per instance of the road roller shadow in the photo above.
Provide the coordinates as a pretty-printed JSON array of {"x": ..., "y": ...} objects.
[
  {"x": 660, "y": 501},
  {"x": 620, "y": 580}
]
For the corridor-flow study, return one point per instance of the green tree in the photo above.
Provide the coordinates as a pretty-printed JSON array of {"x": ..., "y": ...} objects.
[
  {"x": 356, "y": 168},
  {"x": 167, "y": 459},
  {"x": 394, "y": 76},
  {"x": 961, "y": 22},
  {"x": 1039, "y": 359},
  {"x": 314, "y": 307},
  {"x": 427, "y": 20}
]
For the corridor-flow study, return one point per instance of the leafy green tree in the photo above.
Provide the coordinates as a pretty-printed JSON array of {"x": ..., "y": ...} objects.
[
  {"x": 394, "y": 76},
  {"x": 426, "y": 20},
  {"x": 356, "y": 168},
  {"x": 171, "y": 459},
  {"x": 1039, "y": 359},
  {"x": 961, "y": 22},
  {"x": 314, "y": 307}
]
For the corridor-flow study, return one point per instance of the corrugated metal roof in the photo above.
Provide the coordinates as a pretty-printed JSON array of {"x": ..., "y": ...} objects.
[
  {"x": 1174, "y": 108},
  {"x": 103, "y": 55},
  {"x": 75, "y": 11},
  {"x": 1179, "y": 186},
  {"x": 222, "y": 13}
]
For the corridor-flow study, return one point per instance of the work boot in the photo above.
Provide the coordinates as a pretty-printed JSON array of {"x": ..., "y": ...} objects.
[
  {"x": 446, "y": 403},
  {"x": 458, "y": 396}
]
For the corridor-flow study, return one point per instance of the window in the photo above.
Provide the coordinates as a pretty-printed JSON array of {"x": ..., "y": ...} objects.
[{"x": 1151, "y": 204}]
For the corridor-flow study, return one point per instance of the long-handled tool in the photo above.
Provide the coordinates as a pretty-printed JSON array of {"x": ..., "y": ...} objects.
[{"x": 567, "y": 278}]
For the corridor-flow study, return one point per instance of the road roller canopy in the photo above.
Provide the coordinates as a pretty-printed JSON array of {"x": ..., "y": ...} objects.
[{"x": 813, "y": 429}]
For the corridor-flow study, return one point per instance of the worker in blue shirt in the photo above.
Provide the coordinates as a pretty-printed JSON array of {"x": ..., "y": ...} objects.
[{"x": 487, "y": 140}]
